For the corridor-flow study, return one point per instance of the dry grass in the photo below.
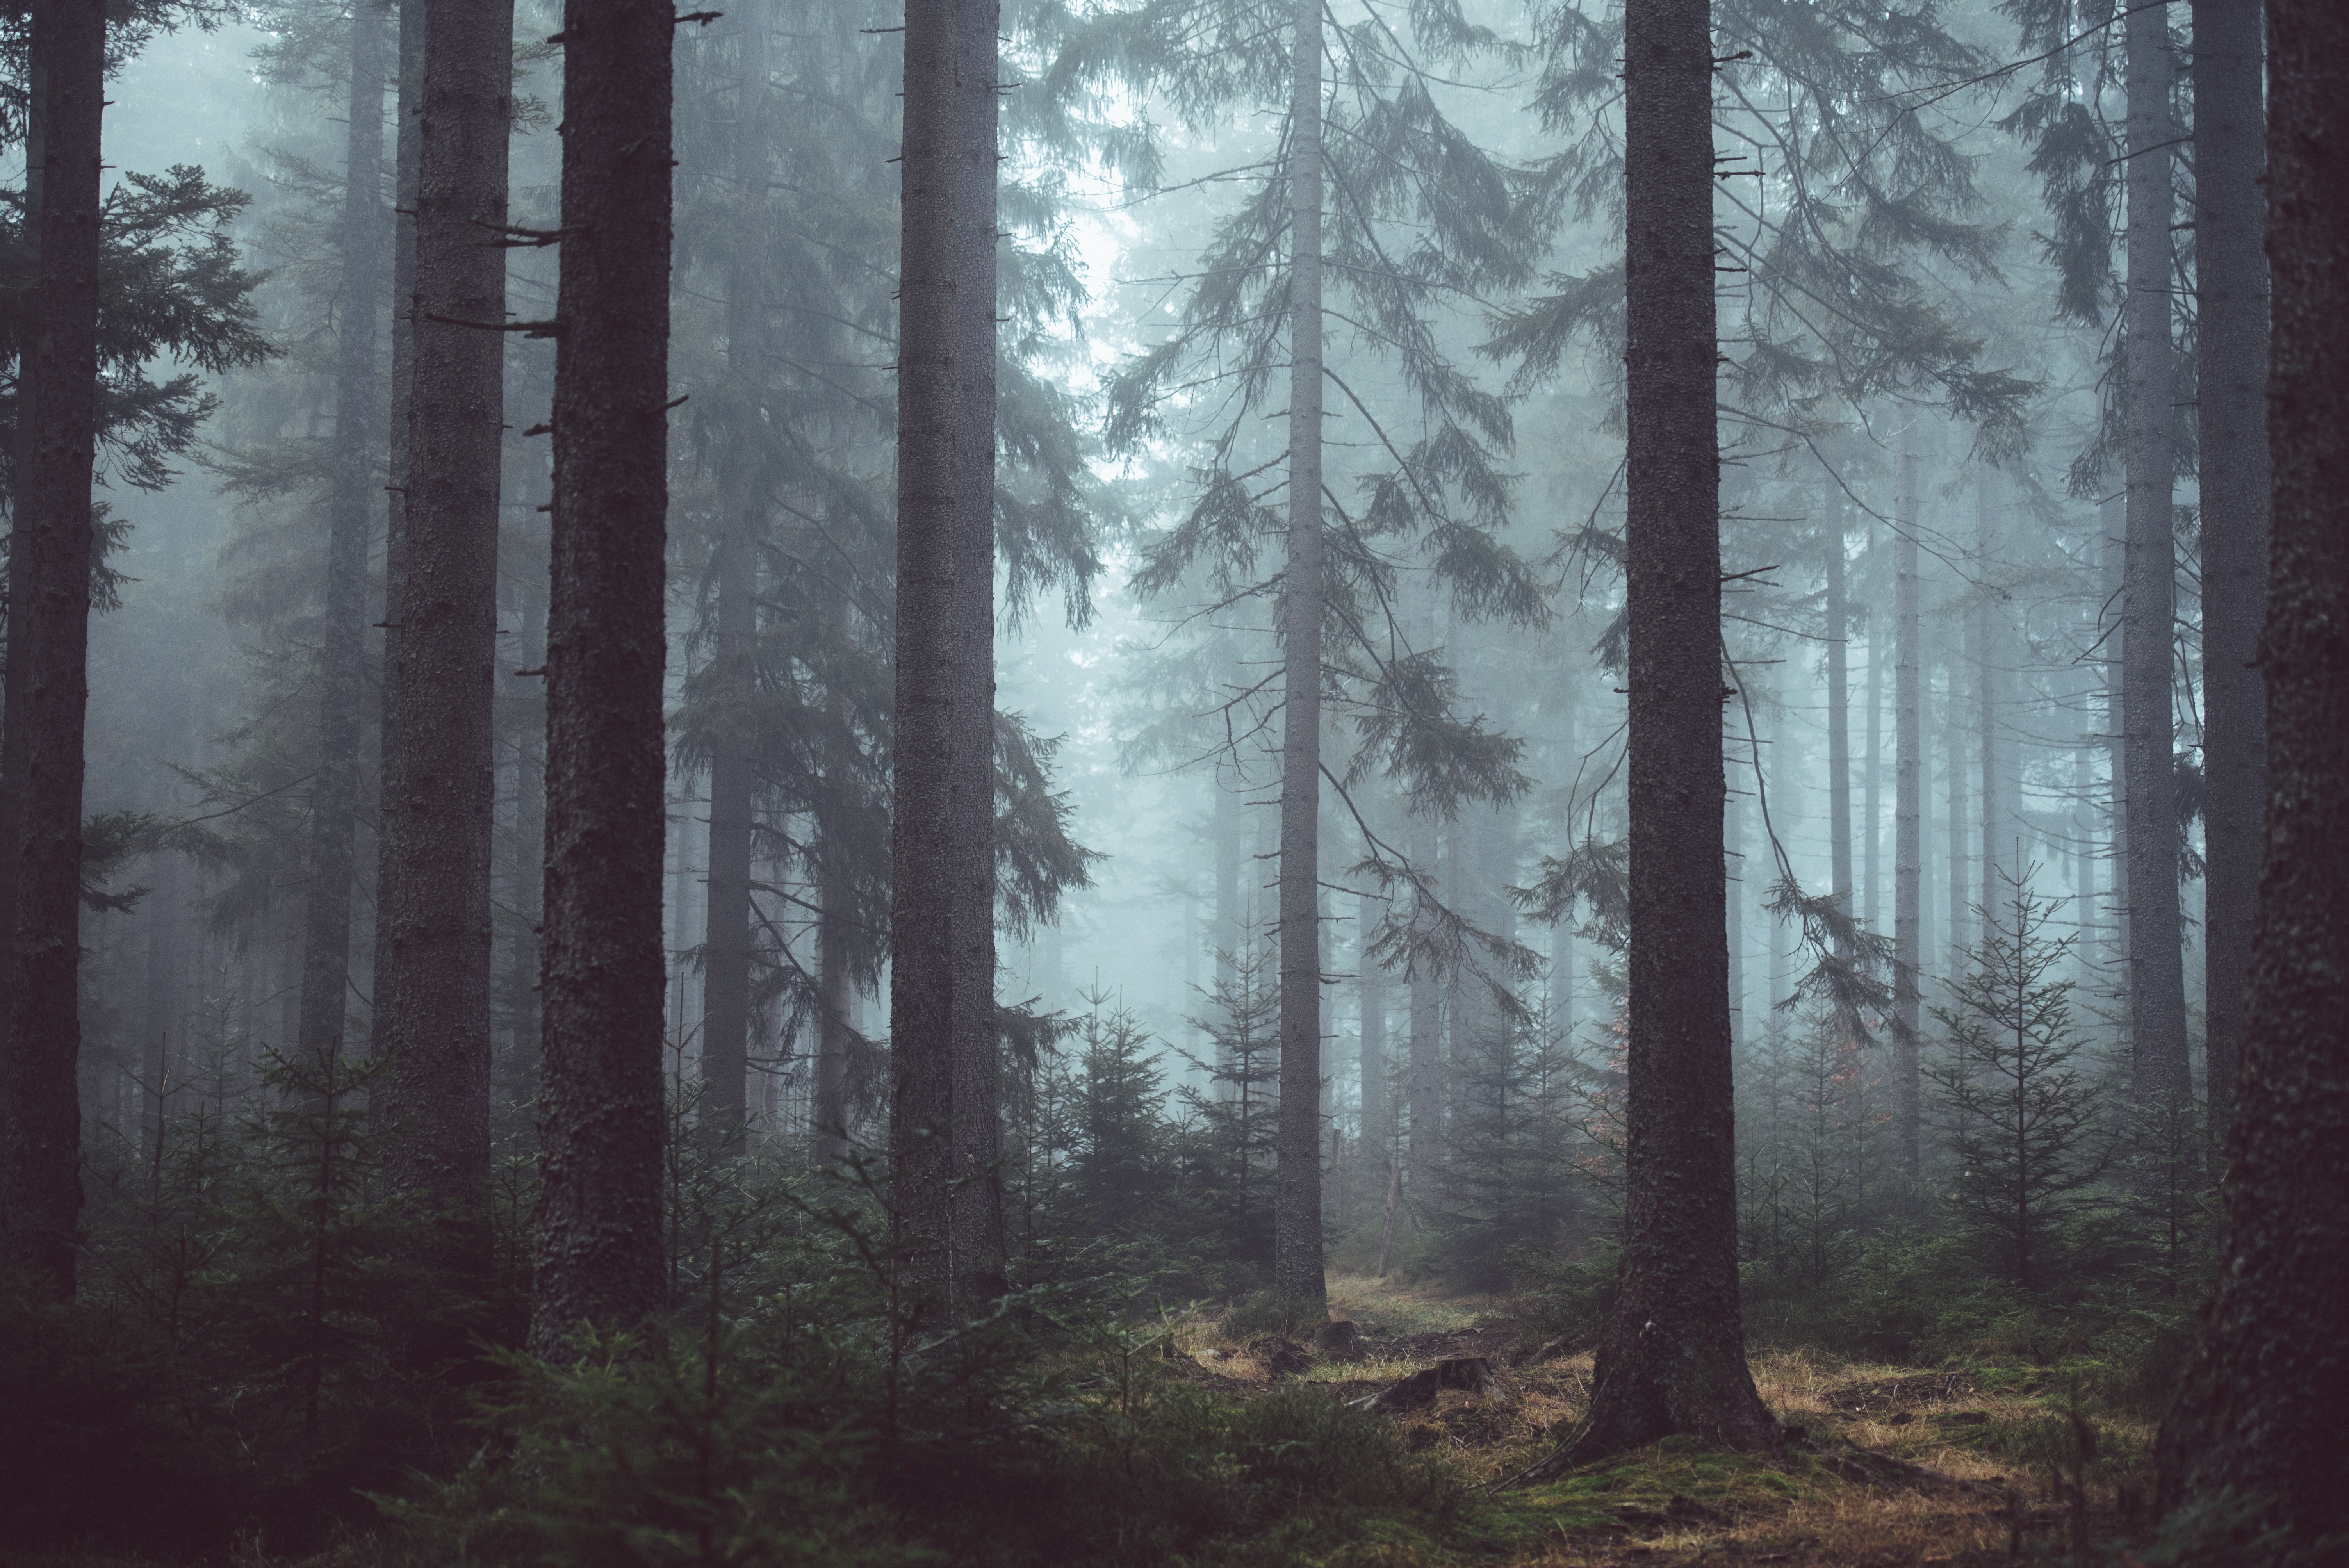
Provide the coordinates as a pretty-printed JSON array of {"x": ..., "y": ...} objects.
[
  {"x": 2008, "y": 1434},
  {"x": 1385, "y": 1308}
]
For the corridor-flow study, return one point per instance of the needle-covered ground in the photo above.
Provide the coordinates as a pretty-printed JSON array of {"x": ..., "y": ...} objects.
[
  {"x": 1991, "y": 1459},
  {"x": 1390, "y": 1430}
]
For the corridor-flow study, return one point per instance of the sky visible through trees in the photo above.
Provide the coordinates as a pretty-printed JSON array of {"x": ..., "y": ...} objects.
[{"x": 1606, "y": 653}]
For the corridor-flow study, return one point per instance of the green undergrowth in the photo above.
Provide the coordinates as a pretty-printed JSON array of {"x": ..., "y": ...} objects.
[{"x": 1679, "y": 1483}]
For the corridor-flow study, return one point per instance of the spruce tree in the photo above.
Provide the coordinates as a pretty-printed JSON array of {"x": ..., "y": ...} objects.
[
  {"x": 2258, "y": 1409},
  {"x": 51, "y": 544},
  {"x": 433, "y": 978},
  {"x": 1673, "y": 1357},
  {"x": 601, "y": 1117}
]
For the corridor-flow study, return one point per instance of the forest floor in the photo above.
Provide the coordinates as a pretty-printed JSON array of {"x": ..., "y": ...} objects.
[{"x": 1991, "y": 1461}]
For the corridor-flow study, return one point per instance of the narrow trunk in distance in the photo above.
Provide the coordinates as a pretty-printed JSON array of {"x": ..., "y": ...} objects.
[
  {"x": 1296, "y": 1176},
  {"x": 726, "y": 950},
  {"x": 2258, "y": 1416},
  {"x": 1838, "y": 620},
  {"x": 1871, "y": 797},
  {"x": 835, "y": 930},
  {"x": 1996, "y": 850},
  {"x": 2158, "y": 1067},
  {"x": 351, "y": 507},
  {"x": 433, "y": 963},
  {"x": 1908, "y": 830},
  {"x": 1671, "y": 1357},
  {"x": 1953, "y": 731},
  {"x": 601, "y": 1118},
  {"x": 41, "y": 756},
  {"x": 1424, "y": 1075},
  {"x": 2231, "y": 273}
]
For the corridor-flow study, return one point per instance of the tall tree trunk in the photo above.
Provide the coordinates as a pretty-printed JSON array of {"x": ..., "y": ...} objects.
[
  {"x": 1372, "y": 982},
  {"x": 1838, "y": 621},
  {"x": 2150, "y": 597},
  {"x": 2112, "y": 543},
  {"x": 601, "y": 1118},
  {"x": 2259, "y": 1412},
  {"x": 835, "y": 994},
  {"x": 1296, "y": 1180},
  {"x": 433, "y": 968},
  {"x": 2231, "y": 335},
  {"x": 1954, "y": 941},
  {"x": 1732, "y": 848},
  {"x": 1872, "y": 794},
  {"x": 1672, "y": 1355},
  {"x": 350, "y": 507},
  {"x": 530, "y": 861},
  {"x": 1908, "y": 829},
  {"x": 1982, "y": 635},
  {"x": 726, "y": 951},
  {"x": 408, "y": 168},
  {"x": 48, "y": 647},
  {"x": 941, "y": 1013},
  {"x": 1423, "y": 1078},
  {"x": 979, "y": 1262}
]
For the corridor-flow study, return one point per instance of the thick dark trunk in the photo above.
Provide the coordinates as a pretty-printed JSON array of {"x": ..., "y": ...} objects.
[
  {"x": 1672, "y": 1355},
  {"x": 979, "y": 1260},
  {"x": 49, "y": 645},
  {"x": 2231, "y": 339},
  {"x": 1297, "y": 1178},
  {"x": 407, "y": 159},
  {"x": 1908, "y": 829},
  {"x": 350, "y": 507},
  {"x": 433, "y": 975},
  {"x": 2259, "y": 1409},
  {"x": 2149, "y": 593},
  {"x": 941, "y": 1012},
  {"x": 601, "y": 1117},
  {"x": 726, "y": 945}
]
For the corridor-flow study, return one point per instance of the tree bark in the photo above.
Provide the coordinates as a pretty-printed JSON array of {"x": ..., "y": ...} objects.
[
  {"x": 1871, "y": 842},
  {"x": 1908, "y": 830},
  {"x": 2260, "y": 1409},
  {"x": 835, "y": 994},
  {"x": 726, "y": 948},
  {"x": 2112, "y": 543},
  {"x": 1371, "y": 989},
  {"x": 2232, "y": 316},
  {"x": 1953, "y": 944},
  {"x": 433, "y": 966},
  {"x": 1673, "y": 1357},
  {"x": 1838, "y": 620},
  {"x": 49, "y": 648},
  {"x": 2149, "y": 593},
  {"x": 941, "y": 1012},
  {"x": 350, "y": 509},
  {"x": 601, "y": 1116},
  {"x": 1983, "y": 635},
  {"x": 978, "y": 1263},
  {"x": 407, "y": 159},
  {"x": 1297, "y": 1176}
]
